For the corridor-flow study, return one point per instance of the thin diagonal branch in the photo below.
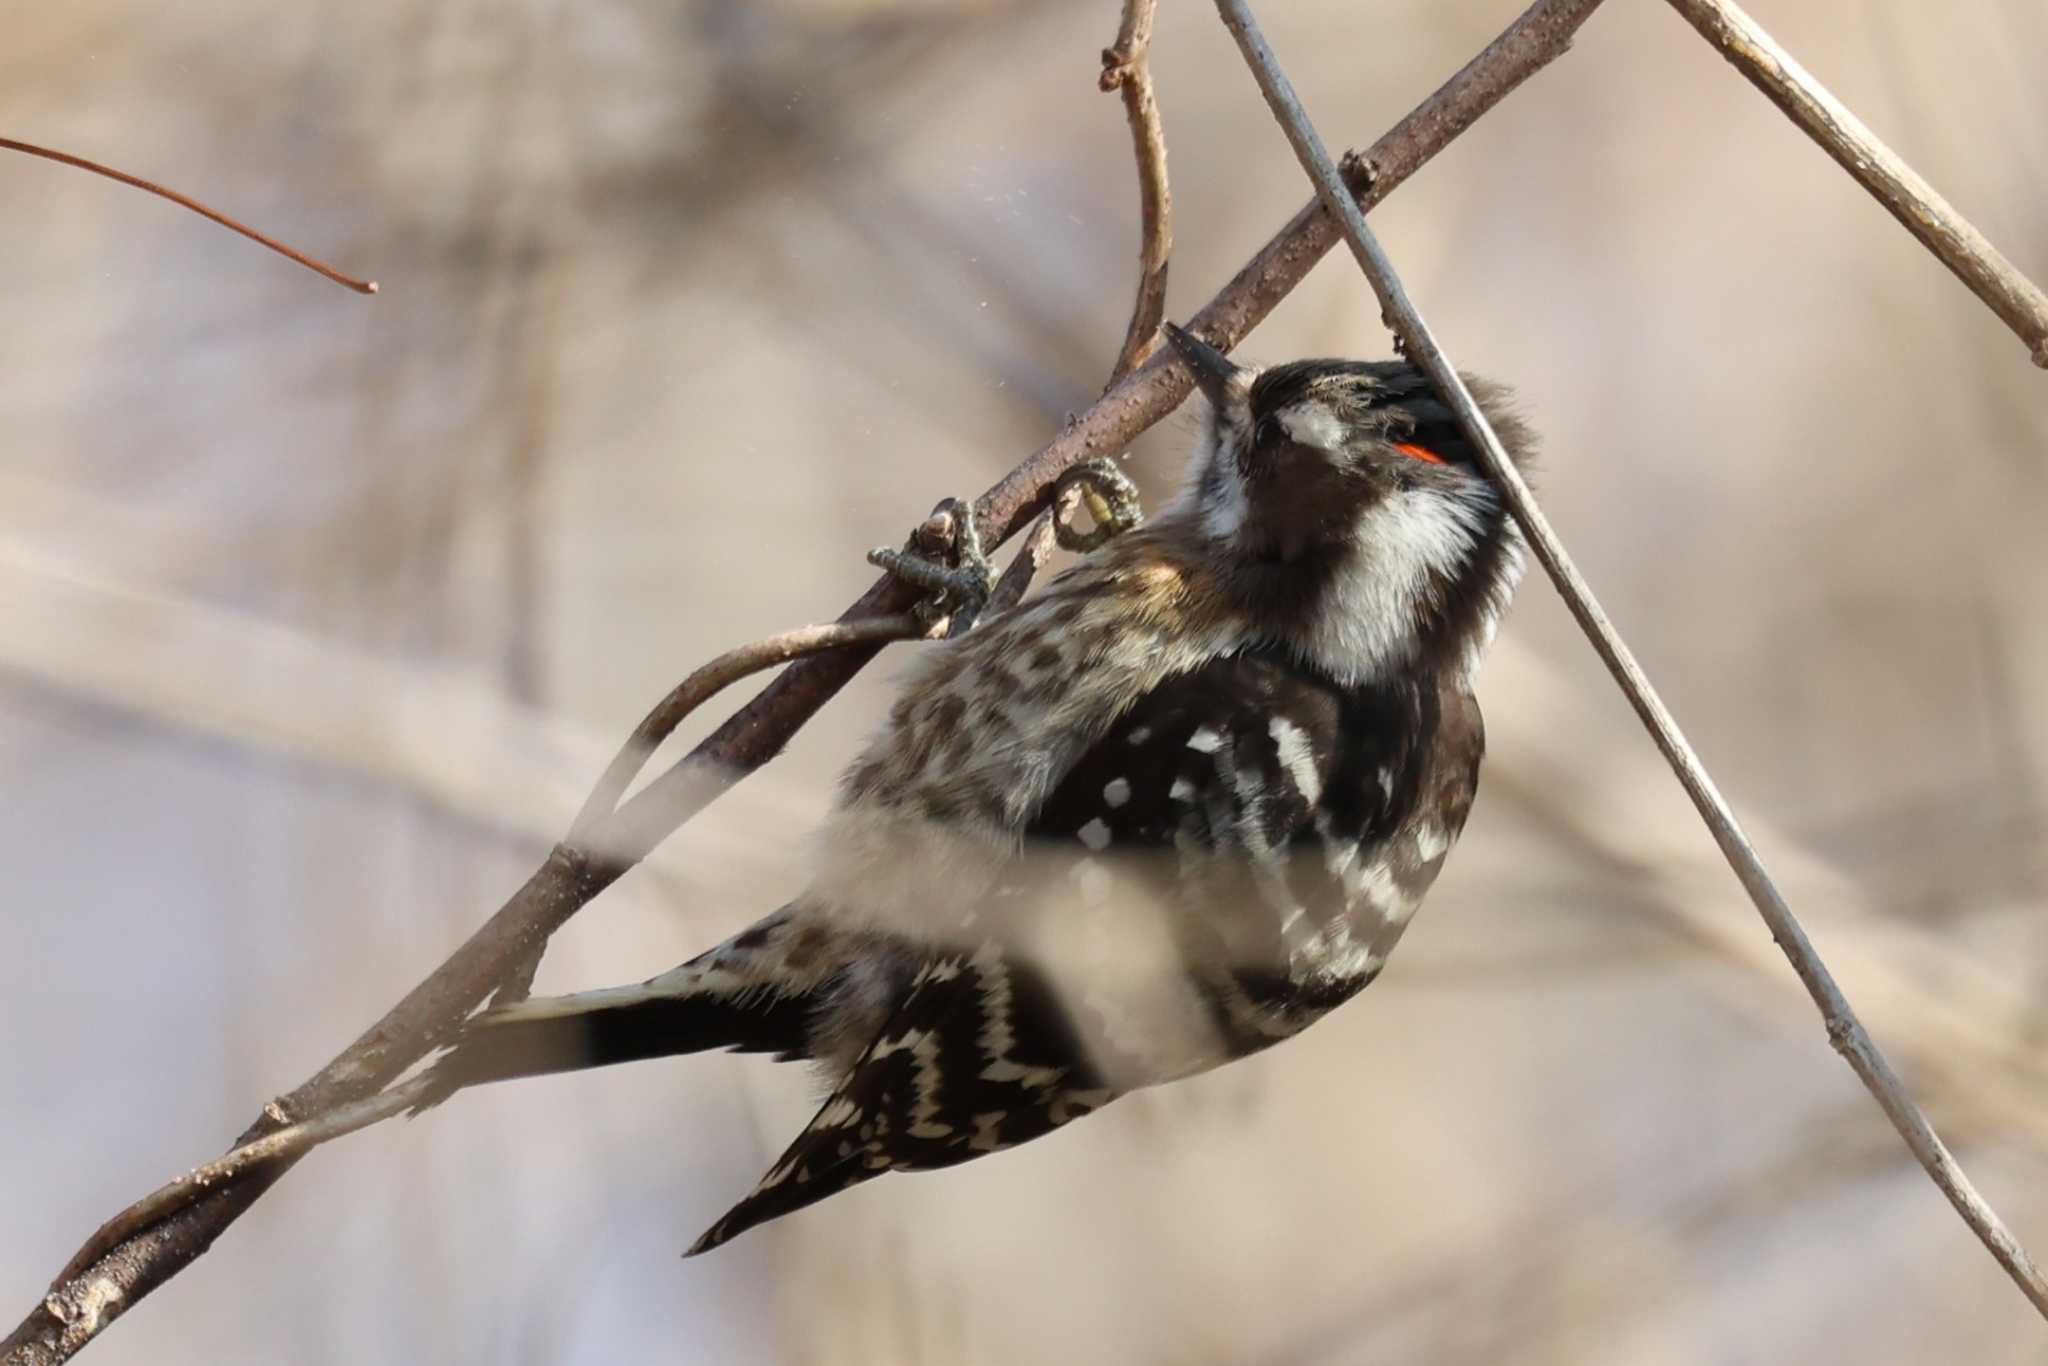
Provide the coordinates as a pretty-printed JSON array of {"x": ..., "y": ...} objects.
[
  {"x": 1844, "y": 1030},
  {"x": 1126, "y": 67},
  {"x": 2017, "y": 300},
  {"x": 80, "y": 1306},
  {"x": 283, "y": 1146},
  {"x": 318, "y": 267}
]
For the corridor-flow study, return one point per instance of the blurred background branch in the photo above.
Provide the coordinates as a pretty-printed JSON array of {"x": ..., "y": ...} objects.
[{"x": 1952, "y": 239}]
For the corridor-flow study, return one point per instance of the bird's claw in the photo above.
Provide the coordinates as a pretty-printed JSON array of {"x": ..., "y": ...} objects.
[
  {"x": 1111, "y": 498},
  {"x": 956, "y": 575}
]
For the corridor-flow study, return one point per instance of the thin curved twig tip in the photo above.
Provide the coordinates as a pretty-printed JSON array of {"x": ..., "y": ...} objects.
[{"x": 290, "y": 253}]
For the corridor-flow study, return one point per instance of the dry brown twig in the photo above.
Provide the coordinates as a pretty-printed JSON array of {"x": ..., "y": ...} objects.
[
  {"x": 1126, "y": 67},
  {"x": 81, "y": 1304},
  {"x": 313, "y": 264},
  {"x": 1844, "y": 1030},
  {"x": 710, "y": 679}
]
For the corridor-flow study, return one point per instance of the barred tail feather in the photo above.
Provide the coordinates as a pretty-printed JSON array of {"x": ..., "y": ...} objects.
[
  {"x": 595, "y": 1029},
  {"x": 744, "y": 995},
  {"x": 775, "y": 1198}
]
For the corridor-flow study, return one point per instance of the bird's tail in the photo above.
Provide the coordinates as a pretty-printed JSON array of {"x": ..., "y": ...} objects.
[{"x": 752, "y": 993}]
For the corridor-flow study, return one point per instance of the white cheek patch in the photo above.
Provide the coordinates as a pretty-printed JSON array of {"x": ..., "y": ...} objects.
[
  {"x": 1367, "y": 624},
  {"x": 1312, "y": 424}
]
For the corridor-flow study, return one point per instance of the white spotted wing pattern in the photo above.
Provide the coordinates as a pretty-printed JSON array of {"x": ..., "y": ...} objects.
[{"x": 1234, "y": 858}]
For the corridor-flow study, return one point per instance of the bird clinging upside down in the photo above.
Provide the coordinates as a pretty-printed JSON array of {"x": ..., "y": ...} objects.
[{"x": 1162, "y": 815}]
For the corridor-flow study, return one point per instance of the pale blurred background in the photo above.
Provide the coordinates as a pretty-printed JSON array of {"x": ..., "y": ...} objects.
[{"x": 318, "y": 614}]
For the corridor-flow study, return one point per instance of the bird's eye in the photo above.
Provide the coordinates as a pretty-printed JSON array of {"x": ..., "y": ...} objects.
[
  {"x": 1415, "y": 452},
  {"x": 1267, "y": 432}
]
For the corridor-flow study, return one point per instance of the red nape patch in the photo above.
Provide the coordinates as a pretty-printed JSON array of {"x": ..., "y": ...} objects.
[{"x": 1416, "y": 452}]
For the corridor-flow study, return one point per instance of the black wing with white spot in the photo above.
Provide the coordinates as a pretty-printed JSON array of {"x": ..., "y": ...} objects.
[
  {"x": 1250, "y": 804},
  {"x": 1278, "y": 812}
]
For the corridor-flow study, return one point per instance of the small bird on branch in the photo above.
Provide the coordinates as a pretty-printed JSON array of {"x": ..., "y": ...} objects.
[{"x": 1166, "y": 813}]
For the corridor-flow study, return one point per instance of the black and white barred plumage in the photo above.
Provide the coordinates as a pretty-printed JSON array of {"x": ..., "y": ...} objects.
[{"x": 1162, "y": 815}]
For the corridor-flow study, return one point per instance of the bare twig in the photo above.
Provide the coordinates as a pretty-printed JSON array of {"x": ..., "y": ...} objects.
[
  {"x": 80, "y": 1306},
  {"x": 1030, "y": 558},
  {"x": 286, "y": 1144},
  {"x": 1125, "y": 67},
  {"x": 701, "y": 686},
  {"x": 1845, "y": 1032},
  {"x": 709, "y": 680},
  {"x": 2017, "y": 300},
  {"x": 318, "y": 267}
]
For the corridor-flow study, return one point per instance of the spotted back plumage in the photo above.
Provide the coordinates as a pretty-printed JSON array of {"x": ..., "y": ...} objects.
[{"x": 1234, "y": 857}]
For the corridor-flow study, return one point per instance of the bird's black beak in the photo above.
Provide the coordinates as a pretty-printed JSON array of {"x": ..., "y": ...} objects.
[{"x": 1213, "y": 371}]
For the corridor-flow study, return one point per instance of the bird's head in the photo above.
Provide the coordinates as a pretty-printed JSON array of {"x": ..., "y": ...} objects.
[{"x": 1353, "y": 512}]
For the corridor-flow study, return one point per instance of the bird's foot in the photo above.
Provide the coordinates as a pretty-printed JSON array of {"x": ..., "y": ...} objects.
[
  {"x": 952, "y": 568},
  {"x": 1110, "y": 497}
]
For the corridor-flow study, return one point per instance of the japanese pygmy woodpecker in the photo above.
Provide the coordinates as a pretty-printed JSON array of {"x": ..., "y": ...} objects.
[{"x": 1164, "y": 814}]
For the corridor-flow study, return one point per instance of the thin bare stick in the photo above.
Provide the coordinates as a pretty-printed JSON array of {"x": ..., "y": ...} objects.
[
  {"x": 1125, "y": 67},
  {"x": 318, "y": 267},
  {"x": 285, "y": 1144},
  {"x": 79, "y": 1307},
  {"x": 710, "y": 679},
  {"x": 1845, "y": 1032},
  {"x": 2017, "y": 300},
  {"x": 1030, "y": 558}
]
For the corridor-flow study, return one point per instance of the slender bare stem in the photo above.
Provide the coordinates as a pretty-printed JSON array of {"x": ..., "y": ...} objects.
[
  {"x": 80, "y": 1306},
  {"x": 1845, "y": 1032},
  {"x": 285, "y": 1144},
  {"x": 1126, "y": 68},
  {"x": 313, "y": 264},
  {"x": 2017, "y": 300},
  {"x": 710, "y": 679},
  {"x": 1029, "y": 559}
]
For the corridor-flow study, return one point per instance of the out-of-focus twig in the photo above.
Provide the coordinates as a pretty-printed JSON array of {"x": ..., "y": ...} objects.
[
  {"x": 1960, "y": 1024},
  {"x": 1126, "y": 68},
  {"x": 80, "y": 1306},
  {"x": 2017, "y": 300},
  {"x": 318, "y": 267},
  {"x": 1844, "y": 1030}
]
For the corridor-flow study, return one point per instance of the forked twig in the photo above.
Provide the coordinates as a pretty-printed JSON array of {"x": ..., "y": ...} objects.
[
  {"x": 708, "y": 680},
  {"x": 81, "y": 1305},
  {"x": 1844, "y": 1030},
  {"x": 1877, "y": 168},
  {"x": 313, "y": 264}
]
